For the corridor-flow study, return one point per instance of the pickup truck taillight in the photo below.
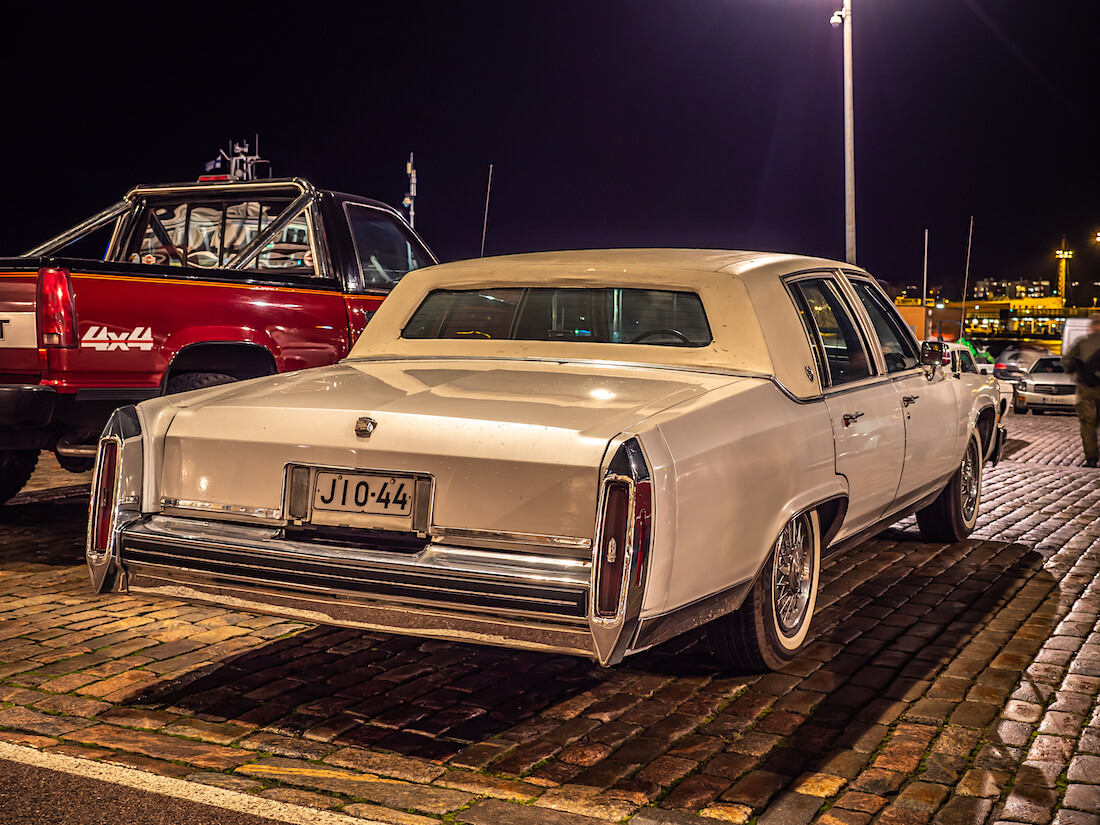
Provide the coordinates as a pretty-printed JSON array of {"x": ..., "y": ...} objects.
[{"x": 56, "y": 308}]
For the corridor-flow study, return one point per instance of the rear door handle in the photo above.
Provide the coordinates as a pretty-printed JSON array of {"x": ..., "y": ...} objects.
[
  {"x": 906, "y": 400},
  {"x": 851, "y": 418}
]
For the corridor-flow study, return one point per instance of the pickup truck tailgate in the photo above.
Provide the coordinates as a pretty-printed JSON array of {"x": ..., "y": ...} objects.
[{"x": 18, "y": 326}]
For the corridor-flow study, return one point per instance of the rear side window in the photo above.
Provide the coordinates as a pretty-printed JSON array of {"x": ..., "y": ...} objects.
[
  {"x": 594, "y": 314},
  {"x": 897, "y": 347}
]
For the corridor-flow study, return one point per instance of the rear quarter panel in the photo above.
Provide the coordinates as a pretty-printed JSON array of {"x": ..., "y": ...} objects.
[{"x": 730, "y": 469}]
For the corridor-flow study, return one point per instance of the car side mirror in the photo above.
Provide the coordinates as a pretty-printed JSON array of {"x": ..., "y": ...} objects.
[
  {"x": 934, "y": 354},
  {"x": 983, "y": 370}
]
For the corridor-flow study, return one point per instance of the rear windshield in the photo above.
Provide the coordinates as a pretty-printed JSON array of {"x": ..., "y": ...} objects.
[{"x": 591, "y": 314}]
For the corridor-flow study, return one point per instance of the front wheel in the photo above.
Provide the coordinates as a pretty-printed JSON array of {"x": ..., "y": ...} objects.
[
  {"x": 952, "y": 516},
  {"x": 16, "y": 467},
  {"x": 770, "y": 627}
]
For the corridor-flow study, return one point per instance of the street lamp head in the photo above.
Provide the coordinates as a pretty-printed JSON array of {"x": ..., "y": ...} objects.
[{"x": 836, "y": 19}]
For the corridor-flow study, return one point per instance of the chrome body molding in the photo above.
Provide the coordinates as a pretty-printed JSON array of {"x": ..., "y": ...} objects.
[
  {"x": 172, "y": 504},
  {"x": 500, "y": 537},
  {"x": 653, "y": 630}
]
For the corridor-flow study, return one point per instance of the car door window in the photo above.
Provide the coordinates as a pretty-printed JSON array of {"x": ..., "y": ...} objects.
[
  {"x": 966, "y": 362},
  {"x": 829, "y": 322},
  {"x": 897, "y": 347},
  {"x": 384, "y": 251}
]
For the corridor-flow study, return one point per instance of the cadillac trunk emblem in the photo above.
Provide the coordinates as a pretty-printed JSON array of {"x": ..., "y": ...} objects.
[{"x": 365, "y": 426}]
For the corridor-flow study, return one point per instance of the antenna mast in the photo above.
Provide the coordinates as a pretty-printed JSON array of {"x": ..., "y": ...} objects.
[
  {"x": 410, "y": 197},
  {"x": 485, "y": 219}
]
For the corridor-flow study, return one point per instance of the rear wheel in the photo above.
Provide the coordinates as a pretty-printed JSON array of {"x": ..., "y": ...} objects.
[
  {"x": 196, "y": 381},
  {"x": 771, "y": 625},
  {"x": 952, "y": 516},
  {"x": 16, "y": 467}
]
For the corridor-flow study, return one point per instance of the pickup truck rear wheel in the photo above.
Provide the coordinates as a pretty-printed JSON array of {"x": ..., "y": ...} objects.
[
  {"x": 952, "y": 516},
  {"x": 16, "y": 467},
  {"x": 770, "y": 627},
  {"x": 196, "y": 381}
]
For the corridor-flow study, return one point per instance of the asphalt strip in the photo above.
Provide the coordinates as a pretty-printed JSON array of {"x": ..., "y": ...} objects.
[{"x": 178, "y": 788}]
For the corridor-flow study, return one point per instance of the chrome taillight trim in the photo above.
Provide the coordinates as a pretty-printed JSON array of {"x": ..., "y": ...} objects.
[
  {"x": 123, "y": 432},
  {"x": 96, "y": 509},
  {"x": 613, "y": 634},
  {"x": 599, "y": 555}
]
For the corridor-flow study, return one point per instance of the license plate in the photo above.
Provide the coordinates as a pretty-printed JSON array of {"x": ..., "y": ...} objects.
[
  {"x": 17, "y": 330},
  {"x": 371, "y": 493}
]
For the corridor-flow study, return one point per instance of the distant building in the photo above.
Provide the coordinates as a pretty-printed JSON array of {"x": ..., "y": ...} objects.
[{"x": 989, "y": 289}]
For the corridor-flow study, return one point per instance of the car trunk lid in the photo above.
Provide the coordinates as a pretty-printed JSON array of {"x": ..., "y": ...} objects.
[{"x": 512, "y": 447}]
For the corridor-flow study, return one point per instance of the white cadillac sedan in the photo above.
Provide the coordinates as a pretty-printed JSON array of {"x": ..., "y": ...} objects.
[{"x": 588, "y": 452}]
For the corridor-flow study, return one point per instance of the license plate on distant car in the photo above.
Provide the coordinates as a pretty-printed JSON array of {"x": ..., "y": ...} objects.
[{"x": 371, "y": 493}]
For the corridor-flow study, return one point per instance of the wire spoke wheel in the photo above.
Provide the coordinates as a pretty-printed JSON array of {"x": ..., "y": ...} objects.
[
  {"x": 970, "y": 481},
  {"x": 954, "y": 513},
  {"x": 773, "y": 622},
  {"x": 792, "y": 575}
]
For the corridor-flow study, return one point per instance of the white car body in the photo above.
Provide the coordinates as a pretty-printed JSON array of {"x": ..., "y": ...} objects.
[
  {"x": 518, "y": 455},
  {"x": 979, "y": 376}
]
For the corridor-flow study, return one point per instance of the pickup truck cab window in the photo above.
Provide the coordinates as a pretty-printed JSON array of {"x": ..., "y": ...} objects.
[
  {"x": 209, "y": 235},
  {"x": 897, "y": 347},
  {"x": 384, "y": 252},
  {"x": 829, "y": 321}
]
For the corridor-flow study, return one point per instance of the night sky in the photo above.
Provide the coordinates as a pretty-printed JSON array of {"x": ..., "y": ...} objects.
[{"x": 711, "y": 123}]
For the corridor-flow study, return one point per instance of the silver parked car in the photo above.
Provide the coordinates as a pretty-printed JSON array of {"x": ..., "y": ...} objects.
[
  {"x": 1044, "y": 385},
  {"x": 588, "y": 452}
]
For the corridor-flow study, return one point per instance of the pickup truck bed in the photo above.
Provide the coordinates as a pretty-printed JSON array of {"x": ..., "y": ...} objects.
[{"x": 200, "y": 284}]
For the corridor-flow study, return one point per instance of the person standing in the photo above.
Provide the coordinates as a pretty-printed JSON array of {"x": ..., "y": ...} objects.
[{"x": 1083, "y": 360}]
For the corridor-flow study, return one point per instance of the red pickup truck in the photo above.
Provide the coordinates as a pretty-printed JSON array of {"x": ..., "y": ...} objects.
[{"x": 200, "y": 283}]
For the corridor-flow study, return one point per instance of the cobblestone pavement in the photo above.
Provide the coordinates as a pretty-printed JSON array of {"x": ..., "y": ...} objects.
[{"x": 946, "y": 683}]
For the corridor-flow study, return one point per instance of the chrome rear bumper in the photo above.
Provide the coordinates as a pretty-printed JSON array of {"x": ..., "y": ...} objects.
[{"x": 480, "y": 596}]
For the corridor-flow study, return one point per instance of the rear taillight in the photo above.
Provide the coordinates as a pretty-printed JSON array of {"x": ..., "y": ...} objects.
[
  {"x": 613, "y": 547},
  {"x": 56, "y": 308},
  {"x": 103, "y": 495},
  {"x": 625, "y": 531},
  {"x": 1000, "y": 366}
]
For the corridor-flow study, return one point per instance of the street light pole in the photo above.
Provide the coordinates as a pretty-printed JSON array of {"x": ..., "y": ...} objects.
[{"x": 844, "y": 16}]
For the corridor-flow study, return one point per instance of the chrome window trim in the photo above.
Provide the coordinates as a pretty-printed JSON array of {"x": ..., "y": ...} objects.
[
  {"x": 508, "y": 537},
  {"x": 564, "y": 360}
]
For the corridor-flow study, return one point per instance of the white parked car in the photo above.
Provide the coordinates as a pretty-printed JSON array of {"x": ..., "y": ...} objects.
[
  {"x": 588, "y": 452},
  {"x": 964, "y": 367}
]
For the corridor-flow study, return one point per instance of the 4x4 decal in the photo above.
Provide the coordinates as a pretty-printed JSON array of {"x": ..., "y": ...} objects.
[{"x": 102, "y": 339}]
